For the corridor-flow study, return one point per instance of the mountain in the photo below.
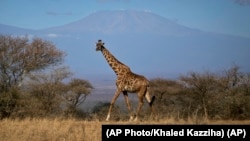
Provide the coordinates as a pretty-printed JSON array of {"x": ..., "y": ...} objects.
[
  {"x": 124, "y": 21},
  {"x": 150, "y": 44},
  {"x": 7, "y": 29}
]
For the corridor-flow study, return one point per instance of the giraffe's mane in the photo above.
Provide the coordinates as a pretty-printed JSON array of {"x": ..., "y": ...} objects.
[{"x": 110, "y": 54}]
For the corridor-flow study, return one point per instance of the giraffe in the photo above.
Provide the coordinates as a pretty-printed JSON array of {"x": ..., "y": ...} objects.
[{"x": 126, "y": 82}]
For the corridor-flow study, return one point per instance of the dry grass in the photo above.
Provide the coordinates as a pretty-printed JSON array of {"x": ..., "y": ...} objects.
[
  {"x": 71, "y": 129},
  {"x": 49, "y": 130}
]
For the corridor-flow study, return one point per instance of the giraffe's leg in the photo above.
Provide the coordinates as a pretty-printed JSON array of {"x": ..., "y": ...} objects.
[
  {"x": 117, "y": 93},
  {"x": 140, "y": 103},
  {"x": 128, "y": 104}
]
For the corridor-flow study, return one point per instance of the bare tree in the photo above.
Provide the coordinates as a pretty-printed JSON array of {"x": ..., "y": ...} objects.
[{"x": 19, "y": 56}]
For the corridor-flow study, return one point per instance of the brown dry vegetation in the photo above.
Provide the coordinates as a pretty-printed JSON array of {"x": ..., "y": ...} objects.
[
  {"x": 74, "y": 130},
  {"x": 49, "y": 130}
]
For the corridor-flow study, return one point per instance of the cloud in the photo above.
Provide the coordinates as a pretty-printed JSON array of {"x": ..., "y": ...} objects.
[
  {"x": 52, "y": 35},
  {"x": 29, "y": 36},
  {"x": 53, "y": 13},
  {"x": 242, "y": 2}
]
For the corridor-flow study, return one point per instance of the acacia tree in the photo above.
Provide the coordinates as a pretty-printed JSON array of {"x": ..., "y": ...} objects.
[
  {"x": 203, "y": 87},
  {"x": 162, "y": 87},
  {"x": 78, "y": 90},
  {"x": 235, "y": 86},
  {"x": 222, "y": 96},
  {"x": 18, "y": 57},
  {"x": 54, "y": 96},
  {"x": 47, "y": 88}
]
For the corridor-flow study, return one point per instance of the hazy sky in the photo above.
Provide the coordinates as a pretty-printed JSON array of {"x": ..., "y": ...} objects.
[{"x": 221, "y": 16}]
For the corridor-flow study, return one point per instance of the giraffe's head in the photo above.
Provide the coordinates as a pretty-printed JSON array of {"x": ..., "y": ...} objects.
[{"x": 99, "y": 45}]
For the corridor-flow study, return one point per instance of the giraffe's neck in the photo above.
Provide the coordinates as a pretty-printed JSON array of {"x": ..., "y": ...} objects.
[{"x": 118, "y": 67}]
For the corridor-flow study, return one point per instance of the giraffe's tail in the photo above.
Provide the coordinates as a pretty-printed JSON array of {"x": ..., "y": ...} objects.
[
  {"x": 149, "y": 98},
  {"x": 152, "y": 101}
]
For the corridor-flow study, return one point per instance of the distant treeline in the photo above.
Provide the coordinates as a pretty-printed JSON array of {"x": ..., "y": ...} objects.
[
  {"x": 35, "y": 83},
  {"x": 221, "y": 95}
]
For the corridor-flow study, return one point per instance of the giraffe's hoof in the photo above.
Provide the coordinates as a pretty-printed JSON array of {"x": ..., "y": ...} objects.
[
  {"x": 136, "y": 119},
  {"x": 108, "y": 116}
]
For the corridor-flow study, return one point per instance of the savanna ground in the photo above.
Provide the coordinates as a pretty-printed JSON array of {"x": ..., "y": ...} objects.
[{"x": 76, "y": 130}]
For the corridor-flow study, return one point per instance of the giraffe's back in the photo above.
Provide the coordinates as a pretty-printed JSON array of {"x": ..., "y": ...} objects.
[{"x": 132, "y": 82}]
